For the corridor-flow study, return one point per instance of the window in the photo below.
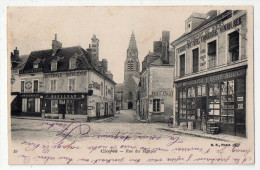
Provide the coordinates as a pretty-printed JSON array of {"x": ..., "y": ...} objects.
[
  {"x": 101, "y": 88},
  {"x": 35, "y": 65},
  {"x": 214, "y": 103},
  {"x": 182, "y": 65},
  {"x": 24, "y": 105},
  {"x": 195, "y": 60},
  {"x": 191, "y": 104},
  {"x": 54, "y": 106},
  {"x": 72, "y": 83},
  {"x": 233, "y": 44},
  {"x": 212, "y": 54},
  {"x": 53, "y": 85},
  {"x": 53, "y": 65},
  {"x": 130, "y": 65},
  {"x": 22, "y": 86},
  {"x": 227, "y": 101},
  {"x": 106, "y": 90},
  {"x": 35, "y": 86},
  {"x": 156, "y": 105},
  {"x": 72, "y": 63},
  {"x": 182, "y": 104}
]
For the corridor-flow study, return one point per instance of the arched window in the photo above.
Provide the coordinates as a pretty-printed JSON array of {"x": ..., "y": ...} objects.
[{"x": 130, "y": 95}]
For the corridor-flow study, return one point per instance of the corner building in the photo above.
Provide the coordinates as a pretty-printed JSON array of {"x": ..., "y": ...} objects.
[{"x": 211, "y": 72}]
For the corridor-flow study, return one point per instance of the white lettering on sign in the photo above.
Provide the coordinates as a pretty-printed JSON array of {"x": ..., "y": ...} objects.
[{"x": 162, "y": 93}]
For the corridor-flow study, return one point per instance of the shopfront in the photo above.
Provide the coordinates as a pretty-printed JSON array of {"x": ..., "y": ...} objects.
[
  {"x": 217, "y": 98},
  {"x": 65, "y": 105},
  {"x": 31, "y": 104}
]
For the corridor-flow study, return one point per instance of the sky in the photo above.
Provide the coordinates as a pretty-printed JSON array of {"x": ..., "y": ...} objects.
[{"x": 33, "y": 28}]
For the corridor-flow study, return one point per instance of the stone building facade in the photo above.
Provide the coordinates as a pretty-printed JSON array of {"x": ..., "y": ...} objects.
[
  {"x": 155, "y": 102},
  {"x": 211, "y": 72},
  {"x": 66, "y": 83}
]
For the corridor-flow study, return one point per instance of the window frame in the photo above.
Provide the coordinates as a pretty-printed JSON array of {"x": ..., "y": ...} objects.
[
  {"x": 23, "y": 86},
  {"x": 73, "y": 60},
  {"x": 194, "y": 48},
  {"x": 33, "y": 85},
  {"x": 55, "y": 85},
  {"x": 179, "y": 70},
  {"x": 157, "y": 105},
  {"x": 227, "y": 44},
  {"x": 56, "y": 65},
  {"x": 207, "y": 61},
  {"x": 73, "y": 78}
]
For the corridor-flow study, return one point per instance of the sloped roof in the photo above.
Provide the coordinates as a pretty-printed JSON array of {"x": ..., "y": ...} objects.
[
  {"x": 21, "y": 62},
  {"x": 136, "y": 79},
  {"x": 44, "y": 59},
  {"x": 119, "y": 87}
]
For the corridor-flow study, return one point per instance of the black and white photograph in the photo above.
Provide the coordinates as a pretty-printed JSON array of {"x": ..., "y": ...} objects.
[{"x": 130, "y": 85}]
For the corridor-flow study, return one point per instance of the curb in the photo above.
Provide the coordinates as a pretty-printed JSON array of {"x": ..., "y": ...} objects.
[{"x": 197, "y": 135}]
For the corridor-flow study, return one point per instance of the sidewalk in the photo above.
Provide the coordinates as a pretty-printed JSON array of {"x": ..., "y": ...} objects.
[
  {"x": 62, "y": 120},
  {"x": 201, "y": 134}
]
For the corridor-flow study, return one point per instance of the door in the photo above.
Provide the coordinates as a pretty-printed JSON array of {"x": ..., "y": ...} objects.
[
  {"x": 62, "y": 108},
  {"x": 130, "y": 105},
  {"x": 201, "y": 112},
  {"x": 30, "y": 105},
  {"x": 106, "y": 109},
  {"x": 97, "y": 110}
]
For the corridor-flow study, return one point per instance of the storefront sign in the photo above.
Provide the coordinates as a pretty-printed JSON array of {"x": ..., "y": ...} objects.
[
  {"x": 162, "y": 93},
  {"x": 34, "y": 95},
  {"x": 65, "y": 96},
  {"x": 210, "y": 33},
  {"x": 214, "y": 78},
  {"x": 68, "y": 74}
]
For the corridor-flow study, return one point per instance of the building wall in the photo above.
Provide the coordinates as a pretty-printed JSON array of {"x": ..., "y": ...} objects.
[
  {"x": 28, "y": 79},
  {"x": 222, "y": 44}
]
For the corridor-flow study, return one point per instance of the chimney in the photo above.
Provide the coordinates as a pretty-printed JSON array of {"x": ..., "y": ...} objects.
[
  {"x": 157, "y": 47},
  {"x": 104, "y": 64},
  {"x": 165, "y": 46},
  {"x": 15, "y": 57},
  {"x": 56, "y": 45},
  {"x": 16, "y": 53}
]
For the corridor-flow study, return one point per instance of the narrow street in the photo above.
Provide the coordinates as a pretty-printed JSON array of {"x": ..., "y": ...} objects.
[{"x": 125, "y": 116}]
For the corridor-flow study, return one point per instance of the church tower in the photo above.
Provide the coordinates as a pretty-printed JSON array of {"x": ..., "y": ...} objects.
[{"x": 132, "y": 65}]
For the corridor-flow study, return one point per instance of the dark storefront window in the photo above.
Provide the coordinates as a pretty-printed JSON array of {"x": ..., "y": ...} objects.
[
  {"x": 182, "y": 104},
  {"x": 234, "y": 45},
  {"x": 212, "y": 54},
  {"x": 30, "y": 105},
  {"x": 54, "y": 106},
  {"x": 70, "y": 106},
  {"x": 182, "y": 65},
  {"x": 35, "y": 86},
  {"x": 191, "y": 104},
  {"x": 214, "y": 103},
  {"x": 156, "y": 105},
  {"x": 195, "y": 60},
  {"x": 227, "y": 101},
  {"x": 22, "y": 86}
]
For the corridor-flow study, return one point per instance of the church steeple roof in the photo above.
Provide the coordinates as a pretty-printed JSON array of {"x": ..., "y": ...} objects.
[{"x": 132, "y": 43}]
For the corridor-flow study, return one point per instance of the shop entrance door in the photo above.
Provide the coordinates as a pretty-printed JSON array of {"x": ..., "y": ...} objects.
[
  {"x": 62, "y": 108},
  {"x": 201, "y": 112}
]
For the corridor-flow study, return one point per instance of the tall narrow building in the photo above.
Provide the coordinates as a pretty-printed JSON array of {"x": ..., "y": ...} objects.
[{"x": 132, "y": 65}]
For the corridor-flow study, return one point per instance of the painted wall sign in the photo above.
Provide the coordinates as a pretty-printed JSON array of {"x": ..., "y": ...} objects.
[
  {"x": 35, "y": 95},
  {"x": 162, "y": 93},
  {"x": 209, "y": 33},
  {"x": 65, "y": 96}
]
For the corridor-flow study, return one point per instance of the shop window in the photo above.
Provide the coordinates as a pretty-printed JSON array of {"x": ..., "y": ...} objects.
[
  {"x": 72, "y": 63},
  {"x": 195, "y": 60},
  {"x": 53, "y": 65},
  {"x": 182, "y": 65},
  {"x": 35, "y": 86},
  {"x": 70, "y": 107},
  {"x": 191, "y": 104},
  {"x": 37, "y": 104},
  {"x": 54, "y": 106},
  {"x": 212, "y": 54},
  {"x": 30, "y": 106},
  {"x": 233, "y": 48},
  {"x": 182, "y": 104},
  {"x": 72, "y": 84},
  {"x": 214, "y": 103},
  {"x": 53, "y": 85},
  {"x": 227, "y": 101},
  {"x": 156, "y": 105},
  {"x": 24, "y": 105},
  {"x": 22, "y": 86},
  {"x": 201, "y": 90}
]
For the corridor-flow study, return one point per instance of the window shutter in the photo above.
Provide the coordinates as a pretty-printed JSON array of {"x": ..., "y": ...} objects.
[
  {"x": 162, "y": 105},
  {"x": 150, "y": 105}
]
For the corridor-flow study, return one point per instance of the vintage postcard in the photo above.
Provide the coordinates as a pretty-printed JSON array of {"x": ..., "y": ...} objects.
[{"x": 130, "y": 85}]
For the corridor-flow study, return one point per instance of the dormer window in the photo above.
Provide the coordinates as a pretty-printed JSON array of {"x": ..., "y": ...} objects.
[
  {"x": 35, "y": 65},
  {"x": 72, "y": 63},
  {"x": 54, "y": 66}
]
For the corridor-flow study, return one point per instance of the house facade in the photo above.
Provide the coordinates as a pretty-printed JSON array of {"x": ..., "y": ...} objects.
[
  {"x": 210, "y": 77},
  {"x": 155, "y": 99},
  {"x": 66, "y": 83}
]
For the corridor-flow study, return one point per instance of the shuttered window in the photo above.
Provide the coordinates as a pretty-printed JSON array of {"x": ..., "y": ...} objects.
[
  {"x": 234, "y": 45},
  {"x": 182, "y": 65},
  {"x": 195, "y": 60},
  {"x": 212, "y": 54}
]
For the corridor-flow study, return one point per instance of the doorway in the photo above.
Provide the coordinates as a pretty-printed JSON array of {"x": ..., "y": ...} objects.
[
  {"x": 201, "y": 112},
  {"x": 130, "y": 105}
]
